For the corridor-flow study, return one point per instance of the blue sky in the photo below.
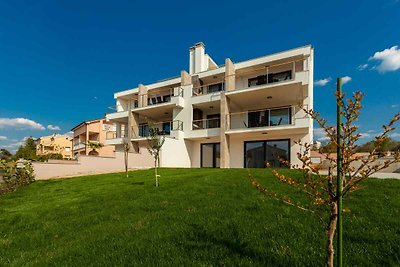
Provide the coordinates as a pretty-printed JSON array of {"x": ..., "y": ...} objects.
[{"x": 61, "y": 61}]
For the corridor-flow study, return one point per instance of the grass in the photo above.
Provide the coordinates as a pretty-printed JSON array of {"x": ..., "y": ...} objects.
[{"x": 199, "y": 217}]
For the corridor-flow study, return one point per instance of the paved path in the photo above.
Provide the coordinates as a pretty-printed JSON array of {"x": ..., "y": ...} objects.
[{"x": 379, "y": 175}]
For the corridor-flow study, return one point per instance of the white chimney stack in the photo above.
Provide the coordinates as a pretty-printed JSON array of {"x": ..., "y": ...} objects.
[{"x": 198, "y": 58}]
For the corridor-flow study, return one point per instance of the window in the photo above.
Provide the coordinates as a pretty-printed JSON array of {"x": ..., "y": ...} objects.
[
  {"x": 270, "y": 78},
  {"x": 279, "y": 117},
  {"x": 166, "y": 126},
  {"x": 273, "y": 117},
  {"x": 213, "y": 121},
  {"x": 215, "y": 88},
  {"x": 143, "y": 130},
  {"x": 258, "y": 153}
]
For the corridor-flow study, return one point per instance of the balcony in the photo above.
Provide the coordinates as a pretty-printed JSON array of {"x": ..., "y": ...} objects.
[
  {"x": 79, "y": 145},
  {"x": 276, "y": 74},
  {"x": 208, "y": 89},
  {"x": 116, "y": 138},
  {"x": 206, "y": 124},
  {"x": 163, "y": 96},
  {"x": 267, "y": 119},
  {"x": 162, "y": 128}
]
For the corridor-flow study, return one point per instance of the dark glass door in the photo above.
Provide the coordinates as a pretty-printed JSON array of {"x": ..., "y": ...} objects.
[
  {"x": 210, "y": 155},
  {"x": 276, "y": 151},
  {"x": 254, "y": 154},
  {"x": 259, "y": 153}
]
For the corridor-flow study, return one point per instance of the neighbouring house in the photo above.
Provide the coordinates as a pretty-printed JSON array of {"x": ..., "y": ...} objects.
[
  {"x": 237, "y": 115},
  {"x": 54, "y": 144},
  {"x": 96, "y": 132}
]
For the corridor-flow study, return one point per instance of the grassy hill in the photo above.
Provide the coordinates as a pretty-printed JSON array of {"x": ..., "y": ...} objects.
[{"x": 196, "y": 217}]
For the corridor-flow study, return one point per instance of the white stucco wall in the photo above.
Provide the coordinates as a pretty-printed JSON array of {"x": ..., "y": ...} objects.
[
  {"x": 92, "y": 165},
  {"x": 175, "y": 153}
]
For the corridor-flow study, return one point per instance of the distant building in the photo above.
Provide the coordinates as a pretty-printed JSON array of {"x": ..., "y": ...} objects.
[
  {"x": 54, "y": 144},
  {"x": 316, "y": 145},
  {"x": 93, "y": 131}
]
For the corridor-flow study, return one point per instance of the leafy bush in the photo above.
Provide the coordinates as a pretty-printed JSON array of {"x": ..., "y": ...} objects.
[
  {"x": 15, "y": 174},
  {"x": 44, "y": 158}
]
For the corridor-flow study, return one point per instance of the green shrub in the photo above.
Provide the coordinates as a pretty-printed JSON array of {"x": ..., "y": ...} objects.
[
  {"x": 45, "y": 158},
  {"x": 15, "y": 174}
]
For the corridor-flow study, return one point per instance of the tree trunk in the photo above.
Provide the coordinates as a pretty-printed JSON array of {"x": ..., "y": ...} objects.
[
  {"x": 126, "y": 164},
  {"x": 330, "y": 234},
  {"x": 155, "y": 171}
]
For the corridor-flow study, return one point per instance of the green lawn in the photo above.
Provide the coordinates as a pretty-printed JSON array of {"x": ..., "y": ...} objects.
[{"x": 198, "y": 217}]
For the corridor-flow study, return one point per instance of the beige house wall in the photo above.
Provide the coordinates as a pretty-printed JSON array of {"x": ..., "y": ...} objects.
[
  {"x": 93, "y": 131},
  {"x": 61, "y": 144}
]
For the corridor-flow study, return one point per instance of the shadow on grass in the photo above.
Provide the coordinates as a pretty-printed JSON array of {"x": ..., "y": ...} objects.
[
  {"x": 138, "y": 183},
  {"x": 229, "y": 243}
]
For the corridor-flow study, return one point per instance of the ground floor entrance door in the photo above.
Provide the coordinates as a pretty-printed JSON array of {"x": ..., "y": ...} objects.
[
  {"x": 258, "y": 153},
  {"x": 210, "y": 155}
]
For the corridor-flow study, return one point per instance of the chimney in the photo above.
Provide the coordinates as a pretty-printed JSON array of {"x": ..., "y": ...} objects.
[{"x": 198, "y": 59}]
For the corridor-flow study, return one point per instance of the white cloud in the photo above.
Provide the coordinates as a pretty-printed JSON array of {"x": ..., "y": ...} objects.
[
  {"x": 53, "y": 127},
  {"x": 366, "y": 135},
  {"x": 394, "y": 135},
  {"x": 346, "y": 79},
  {"x": 389, "y": 59},
  {"x": 320, "y": 135},
  {"x": 13, "y": 146},
  {"x": 2, "y": 138},
  {"x": 70, "y": 133},
  {"x": 322, "y": 82},
  {"x": 394, "y": 106},
  {"x": 20, "y": 124},
  {"x": 362, "y": 67}
]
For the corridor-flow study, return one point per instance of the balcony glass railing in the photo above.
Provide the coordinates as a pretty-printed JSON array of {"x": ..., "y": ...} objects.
[
  {"x": 206, "y": 124},
  {"x": 208, "y": 89},
  {"x": 161, "y": 97},
  {"x": 162, "y": 128},
  {"x": 79, "y": 145},
  {"x": 261, "y": 118},
  {"x": 275, "y": 73}
]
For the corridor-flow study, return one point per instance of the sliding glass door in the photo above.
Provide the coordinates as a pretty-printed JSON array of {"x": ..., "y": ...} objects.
[
  {"x": 258, "y": 153},
  {"x": 210, "y": 155}
]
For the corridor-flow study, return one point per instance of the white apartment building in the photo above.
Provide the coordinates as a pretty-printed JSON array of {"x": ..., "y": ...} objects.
[{"x": 235, "y": 115}]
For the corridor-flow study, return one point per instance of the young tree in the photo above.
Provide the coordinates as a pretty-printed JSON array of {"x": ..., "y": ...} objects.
[
  {"x": 126, "y": 146},
  {"x": 321, "y": 188},
  {"x": 155, "y": 141}
]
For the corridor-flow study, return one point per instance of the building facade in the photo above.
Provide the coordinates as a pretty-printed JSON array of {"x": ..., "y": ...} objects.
[
  {"x": 244, "y": 114},
  {"x": 96, "y": 132},
  {"x": 54, "y": 144}
]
